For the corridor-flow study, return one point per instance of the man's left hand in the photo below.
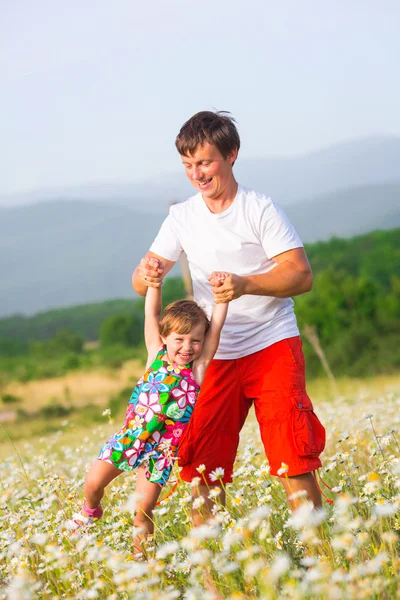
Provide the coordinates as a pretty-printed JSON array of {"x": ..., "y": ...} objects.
[{"x": 232, "y": 287}]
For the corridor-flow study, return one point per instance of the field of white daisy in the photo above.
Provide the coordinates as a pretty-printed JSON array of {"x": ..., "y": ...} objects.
[{"x": 253, "y": 548}]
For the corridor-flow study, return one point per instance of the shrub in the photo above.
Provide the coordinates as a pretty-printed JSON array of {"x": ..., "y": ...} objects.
[
  {"x": 64, "y": 341},
  {"x": 54, "y": 410},
  {"x": 123, "y": 330},
  {"x": 10, "y": 399},
  {"x": 71, "y": 361}
]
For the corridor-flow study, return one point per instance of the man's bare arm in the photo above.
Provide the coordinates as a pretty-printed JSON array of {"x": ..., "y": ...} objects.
[
  {"x": 291, "y": 276},
  {"x": 147, "y": 275}
]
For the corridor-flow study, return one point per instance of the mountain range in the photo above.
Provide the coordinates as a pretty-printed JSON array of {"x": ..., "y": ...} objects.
[
  {"x": 290, "y": 180},
  {"x": 81, "y": 247}
]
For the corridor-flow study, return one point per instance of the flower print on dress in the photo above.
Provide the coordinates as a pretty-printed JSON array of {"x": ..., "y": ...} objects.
[
  {"x": 129, "y": 415},
  {"x": 105, "y": 454},
  {"x": 185, "y": 372},
  {"x": 161, "y": 418},
  {"x": 136, "y": 422},
  {"x": 154, "y": 421},
  {"x": 163, "y": 462},
  {"x": 190, "y": 379},
  {"x": 154, "y": 383},
  {"x": 185, "y": 394},
  {"x": 135, "y": 395},
  {"x": 156, "y": 437},
  {"x": 133, "y": 452},
  {"x": 148, "y": 405},
  {"x": 115, "y": 441},
  {"x": 174, "y": 368},
  {"x": 174, "y": 432}
]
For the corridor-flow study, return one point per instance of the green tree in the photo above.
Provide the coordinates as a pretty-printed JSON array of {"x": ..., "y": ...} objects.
[
  {"x": 173, "y": 289},
  {"x": 123, "y": 329},
  {"x": 12, "y": 347},
  {"x": 65, "y": 341}
]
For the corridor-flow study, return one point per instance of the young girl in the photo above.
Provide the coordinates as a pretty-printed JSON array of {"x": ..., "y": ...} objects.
[{"x": 180, "y": 345}]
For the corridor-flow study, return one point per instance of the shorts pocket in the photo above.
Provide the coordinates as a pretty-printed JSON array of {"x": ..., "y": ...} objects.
[
  {"x": 308, "y": 431},
  {"x": 295, "y": 347}
]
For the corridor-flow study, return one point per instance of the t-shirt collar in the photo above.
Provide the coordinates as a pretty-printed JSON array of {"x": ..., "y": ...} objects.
[{"x": 223, "y": 213}]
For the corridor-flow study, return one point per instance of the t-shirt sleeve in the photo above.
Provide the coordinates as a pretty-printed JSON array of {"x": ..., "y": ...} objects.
[
  {"x": 167, "y": 243},
  {"x": 277, "y": 232}
]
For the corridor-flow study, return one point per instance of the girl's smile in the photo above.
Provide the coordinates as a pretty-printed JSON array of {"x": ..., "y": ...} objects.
[{"x": 184, "y": 348}]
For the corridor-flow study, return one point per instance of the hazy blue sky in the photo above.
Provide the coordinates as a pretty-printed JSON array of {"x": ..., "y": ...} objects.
[{"x": 96, "y": 91}]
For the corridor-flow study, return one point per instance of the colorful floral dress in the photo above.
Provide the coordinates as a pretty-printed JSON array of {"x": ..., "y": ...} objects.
[{"x": 158, "y": 412}]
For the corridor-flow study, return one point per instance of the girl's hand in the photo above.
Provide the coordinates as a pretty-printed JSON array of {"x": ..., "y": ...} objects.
[
  {"x": 151, "y": 271},
  {"x": 229, "y": 288},
  {"x": 217, "y": 278}
]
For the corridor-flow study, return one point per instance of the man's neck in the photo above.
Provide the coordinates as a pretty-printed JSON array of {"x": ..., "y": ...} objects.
[{"x": 222, "y": 202}]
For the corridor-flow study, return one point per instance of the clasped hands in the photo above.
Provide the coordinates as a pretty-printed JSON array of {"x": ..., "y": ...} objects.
[{"x": 225, "y": 286}]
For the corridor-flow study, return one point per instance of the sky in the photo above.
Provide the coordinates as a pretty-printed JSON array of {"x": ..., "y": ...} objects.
[{"x": 96, "y": 91}]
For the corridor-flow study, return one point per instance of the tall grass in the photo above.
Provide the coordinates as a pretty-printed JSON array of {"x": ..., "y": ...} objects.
[{"x": 253, "y": 548}]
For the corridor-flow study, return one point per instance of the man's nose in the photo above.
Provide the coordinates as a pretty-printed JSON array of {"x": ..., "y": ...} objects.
[{"x": 196, "y": 172}]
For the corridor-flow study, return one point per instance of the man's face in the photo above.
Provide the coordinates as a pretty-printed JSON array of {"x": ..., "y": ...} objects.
[{"x": 209, "y": 171}]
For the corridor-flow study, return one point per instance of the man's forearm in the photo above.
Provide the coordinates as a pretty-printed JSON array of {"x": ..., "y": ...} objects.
[
  {"x": 285, "y": 280},
  {"x": 139, "y": 287},
  {"x": 150, "y": 272}
]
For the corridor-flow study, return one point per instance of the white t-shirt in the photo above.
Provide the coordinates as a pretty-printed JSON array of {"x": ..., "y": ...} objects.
[{"x": 243, "y": 240}]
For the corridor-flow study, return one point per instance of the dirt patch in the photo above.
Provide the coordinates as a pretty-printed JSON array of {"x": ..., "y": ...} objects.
[
  {"x": 74, "y": 389},
  {"x": 8, "y": 415}
]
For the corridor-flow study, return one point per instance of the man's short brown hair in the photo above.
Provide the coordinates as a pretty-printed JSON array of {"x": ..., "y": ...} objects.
[
  {"x": 217, "y": 128},
  {"x": 181, "y": 316}
]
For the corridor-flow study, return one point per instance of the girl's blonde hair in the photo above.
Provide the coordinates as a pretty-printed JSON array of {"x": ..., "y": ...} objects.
[{"x": 181, "y": 316}]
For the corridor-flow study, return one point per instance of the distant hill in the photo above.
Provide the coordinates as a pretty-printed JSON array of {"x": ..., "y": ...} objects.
[
  {"x": 367, "y": 161},
  {"x": 63, "y": 253},
  {"x": 372, "y": 257},
  {"x": 83, "y": 319},
  {"x": 347, "y": 212}
]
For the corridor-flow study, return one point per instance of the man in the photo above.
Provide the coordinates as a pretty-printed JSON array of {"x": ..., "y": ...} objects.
[{"x": 228, "y": 228}]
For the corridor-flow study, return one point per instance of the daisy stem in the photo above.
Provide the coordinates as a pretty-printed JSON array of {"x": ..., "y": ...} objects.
[{"x": 18, "y": 455}]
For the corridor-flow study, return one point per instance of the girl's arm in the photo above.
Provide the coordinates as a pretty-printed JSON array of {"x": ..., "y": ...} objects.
[
  {"x": 211, "y": 340},
  {"x": 152, "y": 310}
]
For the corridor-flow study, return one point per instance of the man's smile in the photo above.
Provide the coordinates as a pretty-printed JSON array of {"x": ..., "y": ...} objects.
[{"x": 204, "y": 183}]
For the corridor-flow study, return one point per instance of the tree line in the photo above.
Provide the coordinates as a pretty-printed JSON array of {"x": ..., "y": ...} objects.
[
  {"x": 354, "y": 304},
  {"x": 354, "y": 307}
]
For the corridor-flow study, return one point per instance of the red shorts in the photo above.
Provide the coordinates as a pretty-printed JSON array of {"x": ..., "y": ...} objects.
[{"x": 274, "y": 380}]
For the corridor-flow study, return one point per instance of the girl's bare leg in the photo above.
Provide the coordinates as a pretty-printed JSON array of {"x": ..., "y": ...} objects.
[
  {"x": 147, "y": 496},
  {"x": 100, "y": 475}
]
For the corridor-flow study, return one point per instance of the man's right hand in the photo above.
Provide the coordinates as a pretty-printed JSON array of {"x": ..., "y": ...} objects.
[{"x": 151, "y": 271}]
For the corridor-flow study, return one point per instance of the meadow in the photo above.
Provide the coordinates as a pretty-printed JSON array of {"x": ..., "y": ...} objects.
[
  {"x": 65, "y": 379},
  {"x": 253, "y": 548}
]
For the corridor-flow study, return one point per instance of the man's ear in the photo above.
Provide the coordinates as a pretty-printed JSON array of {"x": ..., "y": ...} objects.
[{"x": 233, "y": 156}]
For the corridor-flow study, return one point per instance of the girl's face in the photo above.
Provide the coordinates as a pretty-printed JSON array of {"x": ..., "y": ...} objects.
[{"x": 183, "y": 348}]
